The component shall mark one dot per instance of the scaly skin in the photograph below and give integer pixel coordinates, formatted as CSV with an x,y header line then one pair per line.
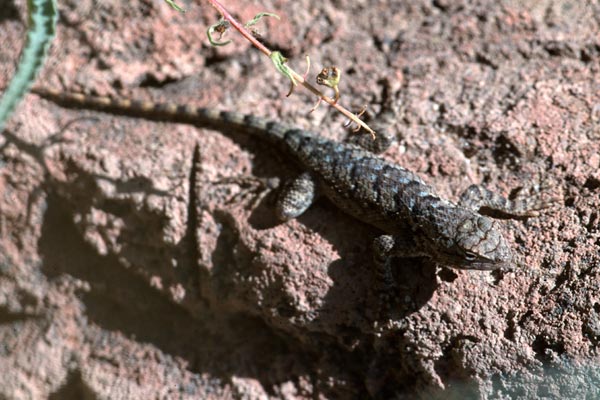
x,y
416,221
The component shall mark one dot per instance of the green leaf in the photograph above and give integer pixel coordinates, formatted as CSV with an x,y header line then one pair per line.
x,y
42,18
220,27
279,60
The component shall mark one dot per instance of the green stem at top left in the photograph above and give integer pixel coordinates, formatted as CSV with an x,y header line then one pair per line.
x,y
42,16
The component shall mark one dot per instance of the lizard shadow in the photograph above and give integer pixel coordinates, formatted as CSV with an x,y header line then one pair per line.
x,y
119,301
354,276
355,280
210,339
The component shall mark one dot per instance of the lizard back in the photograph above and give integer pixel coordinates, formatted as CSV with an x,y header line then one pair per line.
x,y
365,185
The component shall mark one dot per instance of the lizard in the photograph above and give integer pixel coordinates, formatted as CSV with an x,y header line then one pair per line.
x,y
414,219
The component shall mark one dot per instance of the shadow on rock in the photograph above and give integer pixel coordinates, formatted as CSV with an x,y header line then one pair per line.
x,y
220,343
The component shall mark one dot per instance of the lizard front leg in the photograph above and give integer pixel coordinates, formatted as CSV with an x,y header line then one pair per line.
x,y
296,197
386,247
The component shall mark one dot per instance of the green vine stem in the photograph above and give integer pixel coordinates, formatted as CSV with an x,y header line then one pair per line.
x,y
42,16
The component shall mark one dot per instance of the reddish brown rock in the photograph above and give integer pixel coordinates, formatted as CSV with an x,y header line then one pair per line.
x,y
132,266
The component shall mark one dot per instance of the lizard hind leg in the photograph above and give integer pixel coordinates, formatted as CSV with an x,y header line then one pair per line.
x,y
476,197
296,197
383,249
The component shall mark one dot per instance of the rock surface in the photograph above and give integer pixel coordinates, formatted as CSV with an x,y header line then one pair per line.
x,y
142,259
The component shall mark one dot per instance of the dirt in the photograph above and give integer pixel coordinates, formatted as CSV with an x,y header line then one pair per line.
x,y
142,259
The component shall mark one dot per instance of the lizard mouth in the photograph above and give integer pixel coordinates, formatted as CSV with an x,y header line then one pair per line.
x,y
488,266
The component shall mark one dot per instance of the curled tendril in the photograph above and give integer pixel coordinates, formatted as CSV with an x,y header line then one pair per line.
x,y
307,68
258,16
303,77
221,28
249,25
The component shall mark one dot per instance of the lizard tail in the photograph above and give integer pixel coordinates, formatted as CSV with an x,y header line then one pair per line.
x,y
156,111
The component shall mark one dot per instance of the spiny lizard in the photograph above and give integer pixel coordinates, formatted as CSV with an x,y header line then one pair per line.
x,y
416,221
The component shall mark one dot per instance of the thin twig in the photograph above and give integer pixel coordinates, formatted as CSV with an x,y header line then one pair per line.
x,y
299,78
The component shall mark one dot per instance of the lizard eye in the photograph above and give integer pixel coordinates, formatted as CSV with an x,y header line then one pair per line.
x,y
470,256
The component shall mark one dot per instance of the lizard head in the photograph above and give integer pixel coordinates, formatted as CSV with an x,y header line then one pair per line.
x,y
480,244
